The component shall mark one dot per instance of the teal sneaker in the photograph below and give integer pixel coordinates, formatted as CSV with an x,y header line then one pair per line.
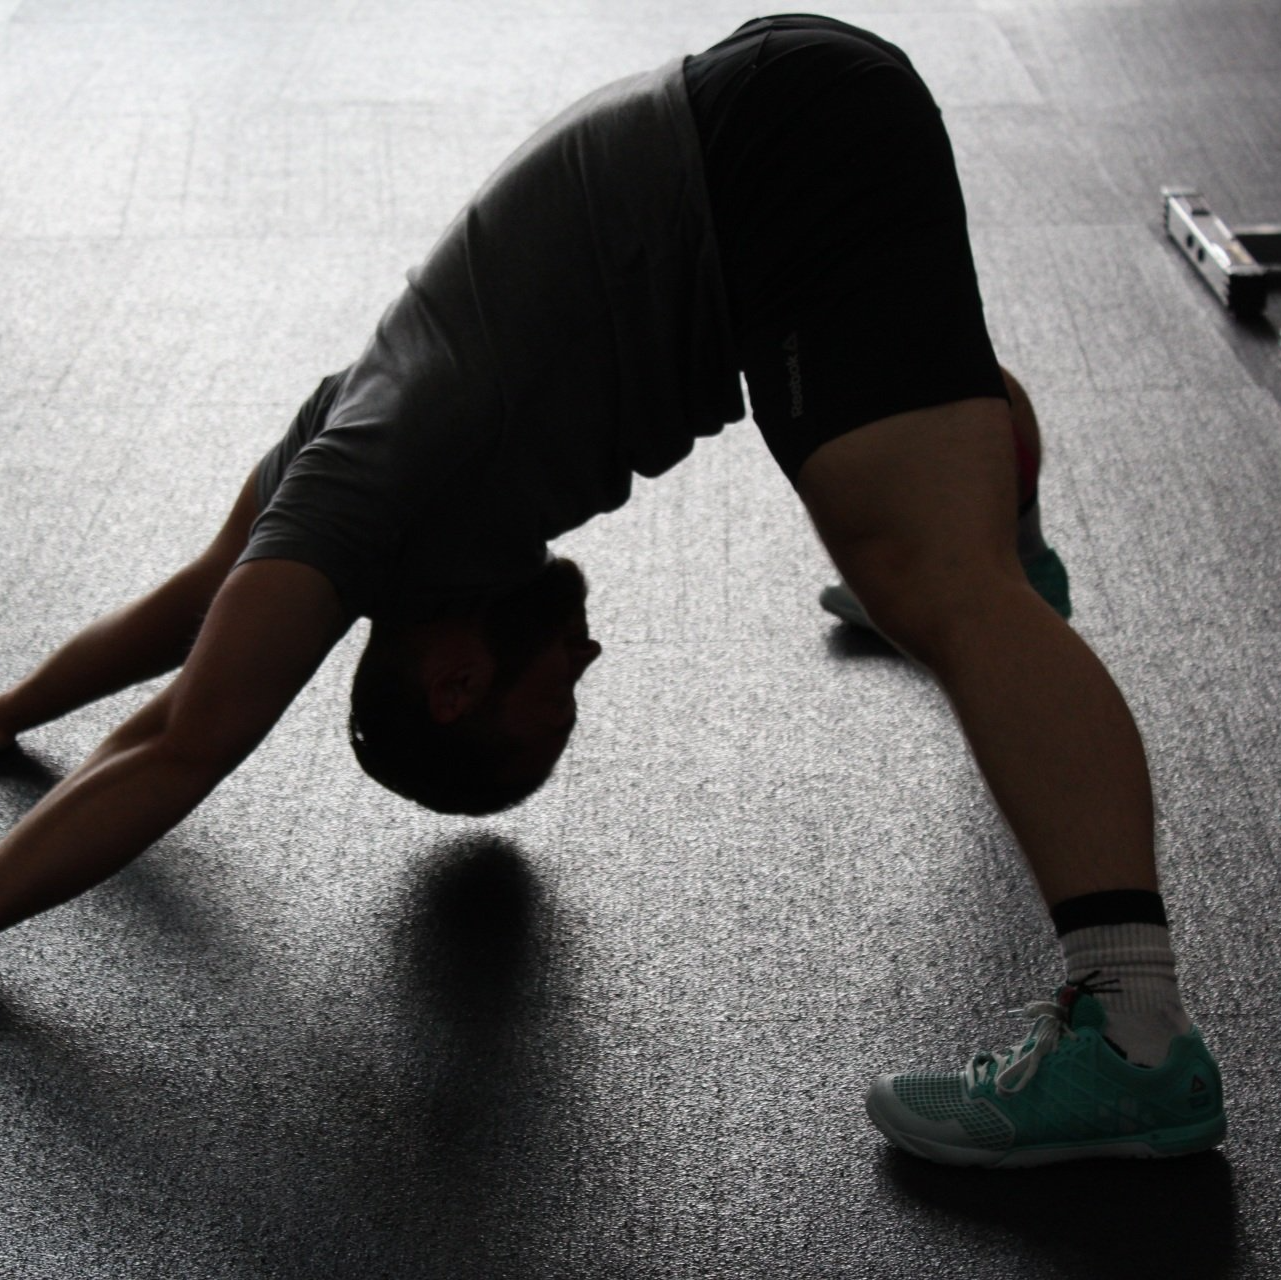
x,y
1046,573
841,602
1048,576
1064,1094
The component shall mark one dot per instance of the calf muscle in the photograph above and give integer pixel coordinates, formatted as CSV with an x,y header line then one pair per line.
x,y
919,515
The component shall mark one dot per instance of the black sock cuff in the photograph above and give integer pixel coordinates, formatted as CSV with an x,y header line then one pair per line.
x,y
1115,906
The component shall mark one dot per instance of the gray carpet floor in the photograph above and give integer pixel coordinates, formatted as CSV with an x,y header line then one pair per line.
x,y
625,1030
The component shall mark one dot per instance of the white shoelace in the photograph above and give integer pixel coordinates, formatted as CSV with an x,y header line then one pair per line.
x,y
1013,1070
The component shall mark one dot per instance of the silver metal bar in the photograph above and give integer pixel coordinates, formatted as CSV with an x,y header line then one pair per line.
x,y
1219,256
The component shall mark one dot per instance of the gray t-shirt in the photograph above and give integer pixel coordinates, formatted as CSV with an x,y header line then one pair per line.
x,y
569,329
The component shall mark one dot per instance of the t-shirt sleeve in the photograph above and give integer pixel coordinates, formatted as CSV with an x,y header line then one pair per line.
x,y
342,489
282,530
306,424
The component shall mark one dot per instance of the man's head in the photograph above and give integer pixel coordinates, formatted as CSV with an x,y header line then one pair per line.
x,y
470,713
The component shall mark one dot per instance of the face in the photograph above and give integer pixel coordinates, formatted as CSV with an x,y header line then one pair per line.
x,y
542,647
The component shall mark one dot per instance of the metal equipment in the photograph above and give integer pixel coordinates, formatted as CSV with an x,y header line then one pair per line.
x,y
1239,265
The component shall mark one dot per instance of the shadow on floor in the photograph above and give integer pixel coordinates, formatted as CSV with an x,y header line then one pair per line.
x,y
1255,339
845,642
445,1135
24,780
499,1069
1099,1219
471,930
473,1005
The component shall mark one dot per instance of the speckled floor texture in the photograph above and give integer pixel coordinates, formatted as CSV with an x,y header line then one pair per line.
x,y
623,1031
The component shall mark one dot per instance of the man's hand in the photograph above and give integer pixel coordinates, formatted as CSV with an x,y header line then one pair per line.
x,y
269,628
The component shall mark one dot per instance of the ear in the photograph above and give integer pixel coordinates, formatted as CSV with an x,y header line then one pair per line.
x,y
455,691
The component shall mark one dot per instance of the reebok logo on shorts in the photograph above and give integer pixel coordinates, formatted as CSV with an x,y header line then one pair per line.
x,y
792,345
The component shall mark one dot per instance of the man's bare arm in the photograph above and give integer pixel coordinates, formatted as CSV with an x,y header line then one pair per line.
x,y
269,628
146,638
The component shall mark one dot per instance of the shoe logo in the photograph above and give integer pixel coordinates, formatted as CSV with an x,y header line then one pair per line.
x,y
1200,1093
792,345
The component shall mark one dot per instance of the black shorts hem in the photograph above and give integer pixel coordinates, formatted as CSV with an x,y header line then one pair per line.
x,y
821,376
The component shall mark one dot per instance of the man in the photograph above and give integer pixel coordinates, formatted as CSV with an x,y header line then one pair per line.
x,y
785,204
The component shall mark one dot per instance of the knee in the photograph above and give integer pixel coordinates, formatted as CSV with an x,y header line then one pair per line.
x,y
933,604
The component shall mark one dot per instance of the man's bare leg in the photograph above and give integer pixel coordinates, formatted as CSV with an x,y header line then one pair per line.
x,y
840,600
917,512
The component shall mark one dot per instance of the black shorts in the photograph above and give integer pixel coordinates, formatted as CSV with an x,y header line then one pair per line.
x,y
842,231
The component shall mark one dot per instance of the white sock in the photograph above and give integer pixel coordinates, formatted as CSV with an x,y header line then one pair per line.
x,y
1134,966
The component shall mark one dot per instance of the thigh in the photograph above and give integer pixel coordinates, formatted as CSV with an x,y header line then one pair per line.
x,y
918,510
843,236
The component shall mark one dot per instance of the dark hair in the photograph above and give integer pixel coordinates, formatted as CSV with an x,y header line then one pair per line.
x,y
465,767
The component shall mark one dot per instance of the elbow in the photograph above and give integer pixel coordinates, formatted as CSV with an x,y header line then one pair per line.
x,y
203,751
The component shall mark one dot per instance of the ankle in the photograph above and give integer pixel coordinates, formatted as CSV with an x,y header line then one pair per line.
x,y
1117,947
